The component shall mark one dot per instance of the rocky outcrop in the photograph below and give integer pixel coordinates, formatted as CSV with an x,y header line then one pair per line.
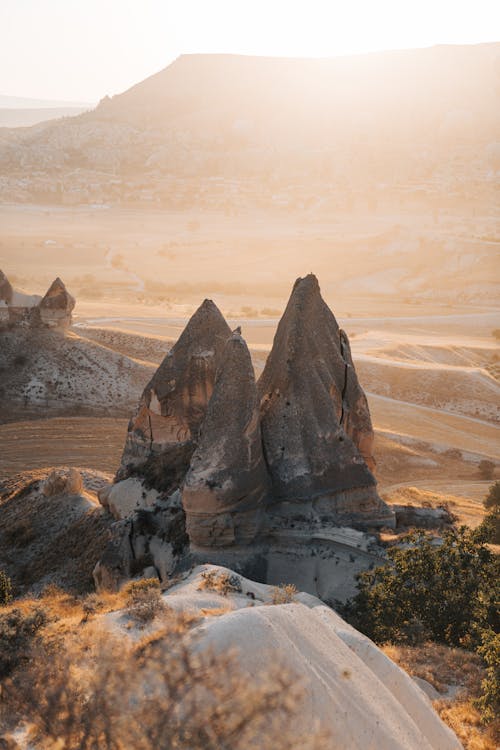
x,y
150,537
22,310
56,307
315,421
227,485
6,290
268,473
163,433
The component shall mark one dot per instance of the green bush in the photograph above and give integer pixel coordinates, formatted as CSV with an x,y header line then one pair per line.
x,y
489,702
446,592
5,588
492,499
489,529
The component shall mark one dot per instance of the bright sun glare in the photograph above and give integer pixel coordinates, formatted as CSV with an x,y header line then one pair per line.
x,y
84,50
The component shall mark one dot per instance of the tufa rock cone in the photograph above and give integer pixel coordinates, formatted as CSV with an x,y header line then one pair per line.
x,y
227,484
163,433
315,418
6,290
56,307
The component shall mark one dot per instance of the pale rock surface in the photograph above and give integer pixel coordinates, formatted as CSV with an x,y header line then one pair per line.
x,y
227,485
162,435
123,498
355,692
316,426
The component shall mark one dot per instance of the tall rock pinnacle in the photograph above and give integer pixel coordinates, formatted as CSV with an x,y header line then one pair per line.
x,y
227,484
163,433
315,419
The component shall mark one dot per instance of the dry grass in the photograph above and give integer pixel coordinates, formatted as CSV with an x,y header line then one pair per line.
x,y
93,689
221,582
284,594
462,671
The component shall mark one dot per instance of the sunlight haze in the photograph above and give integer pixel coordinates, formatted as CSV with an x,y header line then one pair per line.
x,y
82,51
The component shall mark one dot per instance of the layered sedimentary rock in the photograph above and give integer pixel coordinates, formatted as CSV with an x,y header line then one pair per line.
x,y
56,307
315,420
163,433
227,485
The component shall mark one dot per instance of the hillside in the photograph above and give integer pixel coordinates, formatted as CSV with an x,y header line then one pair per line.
x,y
430,115
43,369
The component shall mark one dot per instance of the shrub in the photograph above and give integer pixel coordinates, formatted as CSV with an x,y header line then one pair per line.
x,y
222,582
17,630
492,499
489,702
144,600
5,589
489,528
92,694
486,468
444,592
284,594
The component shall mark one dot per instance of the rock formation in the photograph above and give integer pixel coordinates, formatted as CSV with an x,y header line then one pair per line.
x,y
227,484
315,419
6,290
268,473
32,311
162,435
56,307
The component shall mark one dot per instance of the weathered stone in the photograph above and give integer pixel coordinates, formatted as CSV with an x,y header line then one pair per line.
x,y
56,307
124,498
422,517
227,484
315,419
163,433
115,565
6,290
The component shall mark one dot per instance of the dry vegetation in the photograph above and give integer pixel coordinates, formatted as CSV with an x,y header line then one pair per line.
x,y
457,674
71,684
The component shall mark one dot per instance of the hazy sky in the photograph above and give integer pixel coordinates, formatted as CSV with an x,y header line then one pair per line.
x,y
81,50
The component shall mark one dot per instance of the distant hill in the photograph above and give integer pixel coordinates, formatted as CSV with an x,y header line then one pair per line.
x,y
424,119
17,111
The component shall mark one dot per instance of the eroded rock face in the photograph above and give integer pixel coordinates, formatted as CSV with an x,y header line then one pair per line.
x,y
227,485
6,290
163,433
316,425
56,307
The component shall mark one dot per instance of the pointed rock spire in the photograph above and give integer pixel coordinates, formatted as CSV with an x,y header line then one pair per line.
x,y
6,290
163,433
315,416
227,484
57,305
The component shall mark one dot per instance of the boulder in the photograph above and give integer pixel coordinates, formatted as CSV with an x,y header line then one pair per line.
x,y
123,498
147,537
56,307
227,485
316,425
163,433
